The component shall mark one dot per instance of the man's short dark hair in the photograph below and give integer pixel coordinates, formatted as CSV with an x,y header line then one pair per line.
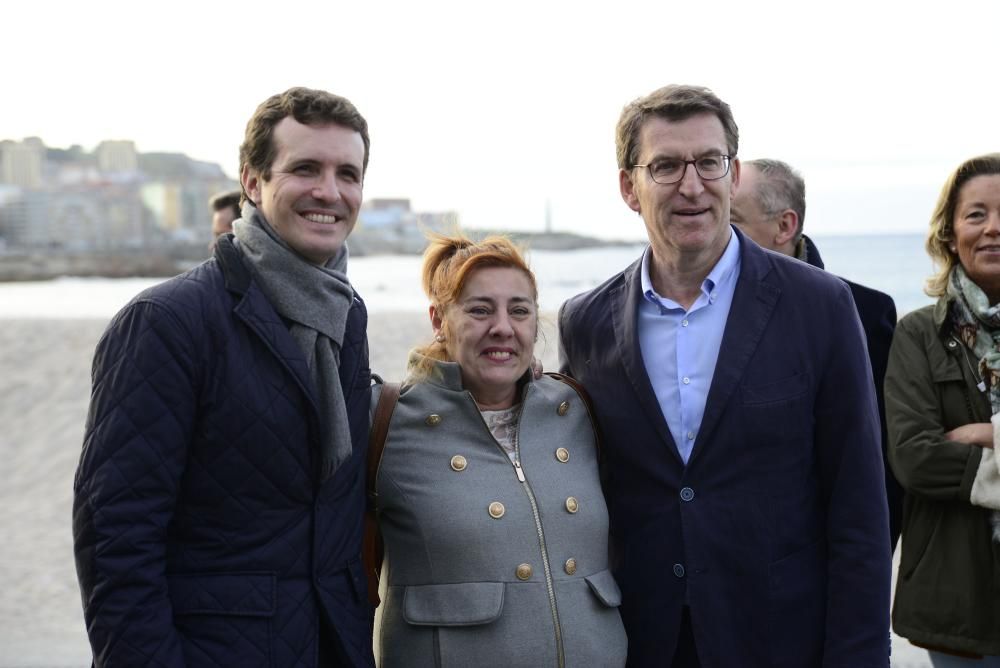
x,y
226,200
305,105
780,187
674,103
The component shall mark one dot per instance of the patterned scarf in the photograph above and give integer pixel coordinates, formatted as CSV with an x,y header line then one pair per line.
x,y
977,324
316,301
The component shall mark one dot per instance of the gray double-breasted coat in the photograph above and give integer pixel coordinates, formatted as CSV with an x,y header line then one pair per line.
x,y
491,562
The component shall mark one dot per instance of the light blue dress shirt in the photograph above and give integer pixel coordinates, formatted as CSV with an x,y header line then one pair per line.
x,y
680,348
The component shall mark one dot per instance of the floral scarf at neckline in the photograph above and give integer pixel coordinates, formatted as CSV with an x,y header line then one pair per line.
x,y
977,325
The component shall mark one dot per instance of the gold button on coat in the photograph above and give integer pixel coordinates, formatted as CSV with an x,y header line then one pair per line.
x,y
572,505
497,510
570,566
458,463
433,420
563,408
562,454
524,572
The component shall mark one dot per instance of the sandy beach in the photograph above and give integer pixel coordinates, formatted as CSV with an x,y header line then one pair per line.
x,y
44,392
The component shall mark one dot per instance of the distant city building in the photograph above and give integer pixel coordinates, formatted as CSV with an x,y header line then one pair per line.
x,y
113,198
117,158
21,162
389,225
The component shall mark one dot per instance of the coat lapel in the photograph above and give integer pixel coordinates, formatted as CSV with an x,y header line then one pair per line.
x,y
261,318
272,330
752,307
625,321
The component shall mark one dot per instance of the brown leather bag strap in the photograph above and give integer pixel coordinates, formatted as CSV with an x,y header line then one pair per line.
x,y
578,387
372,548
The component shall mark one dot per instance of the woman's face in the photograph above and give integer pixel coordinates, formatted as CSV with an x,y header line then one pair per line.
x,y
491,332
977,232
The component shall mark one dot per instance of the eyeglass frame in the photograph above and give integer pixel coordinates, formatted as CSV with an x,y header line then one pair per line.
x,y
728,159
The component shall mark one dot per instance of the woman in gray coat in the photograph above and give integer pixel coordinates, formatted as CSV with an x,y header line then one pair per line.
x,y
488,495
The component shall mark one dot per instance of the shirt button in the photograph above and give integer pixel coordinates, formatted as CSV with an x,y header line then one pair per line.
x,y
690,435
687,494
679,570
684,322
686,380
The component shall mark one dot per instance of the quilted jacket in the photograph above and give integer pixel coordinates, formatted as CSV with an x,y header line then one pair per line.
x,y
203,536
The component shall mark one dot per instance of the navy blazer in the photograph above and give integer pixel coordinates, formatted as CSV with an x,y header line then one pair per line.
x,y
203,533
774,533
877,312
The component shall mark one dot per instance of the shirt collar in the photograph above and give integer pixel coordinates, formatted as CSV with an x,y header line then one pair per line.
x,y
721,273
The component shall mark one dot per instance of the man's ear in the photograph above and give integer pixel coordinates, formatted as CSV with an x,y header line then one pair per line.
x,y
251,184
788,227
627,187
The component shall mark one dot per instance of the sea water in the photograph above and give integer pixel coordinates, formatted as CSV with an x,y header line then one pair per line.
x,y
894,264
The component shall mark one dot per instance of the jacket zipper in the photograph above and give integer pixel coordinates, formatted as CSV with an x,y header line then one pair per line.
x,y
550,587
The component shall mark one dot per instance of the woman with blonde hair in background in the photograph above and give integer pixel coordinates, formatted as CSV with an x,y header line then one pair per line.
x,y
487,492
942,394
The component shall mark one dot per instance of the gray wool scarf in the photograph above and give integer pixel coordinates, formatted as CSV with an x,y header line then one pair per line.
x,y
316,301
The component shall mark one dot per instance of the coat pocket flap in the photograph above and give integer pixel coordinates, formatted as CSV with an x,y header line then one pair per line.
x,y
459,604
237,594
603,584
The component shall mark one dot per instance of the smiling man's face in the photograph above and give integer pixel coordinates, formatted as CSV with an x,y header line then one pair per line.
x,y
313,195
690,218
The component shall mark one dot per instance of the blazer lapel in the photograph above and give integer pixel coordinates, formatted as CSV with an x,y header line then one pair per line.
x,y
625,321
753,304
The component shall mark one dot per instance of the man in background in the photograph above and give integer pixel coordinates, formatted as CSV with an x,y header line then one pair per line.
x,y
770,208
219,501
740,452
225,209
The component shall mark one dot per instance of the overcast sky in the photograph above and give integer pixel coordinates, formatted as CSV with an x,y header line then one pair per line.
x,y
495,109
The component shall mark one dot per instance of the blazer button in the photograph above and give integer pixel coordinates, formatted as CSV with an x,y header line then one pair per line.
x,y
563,408
687,494
562,454
458,463
524,572
572,505
497,510
679,570
433,420
570,566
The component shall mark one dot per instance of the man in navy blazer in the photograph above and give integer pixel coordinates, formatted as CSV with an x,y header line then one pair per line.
x,y
740,430
770,208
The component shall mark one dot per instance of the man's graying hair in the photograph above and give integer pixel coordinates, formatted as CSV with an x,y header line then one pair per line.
x,y
780,187
674,103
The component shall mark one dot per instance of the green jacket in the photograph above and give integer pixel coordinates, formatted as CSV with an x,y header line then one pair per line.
x,y
948,589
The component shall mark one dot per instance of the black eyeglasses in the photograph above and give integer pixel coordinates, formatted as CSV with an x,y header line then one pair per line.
x,y
671,170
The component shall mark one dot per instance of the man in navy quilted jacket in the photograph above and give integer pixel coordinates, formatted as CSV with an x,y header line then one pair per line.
x,y
218,505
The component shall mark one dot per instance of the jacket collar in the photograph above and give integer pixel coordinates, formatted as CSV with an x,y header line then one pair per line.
x,y
753,303
940,315
235,273
448,375
806,251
